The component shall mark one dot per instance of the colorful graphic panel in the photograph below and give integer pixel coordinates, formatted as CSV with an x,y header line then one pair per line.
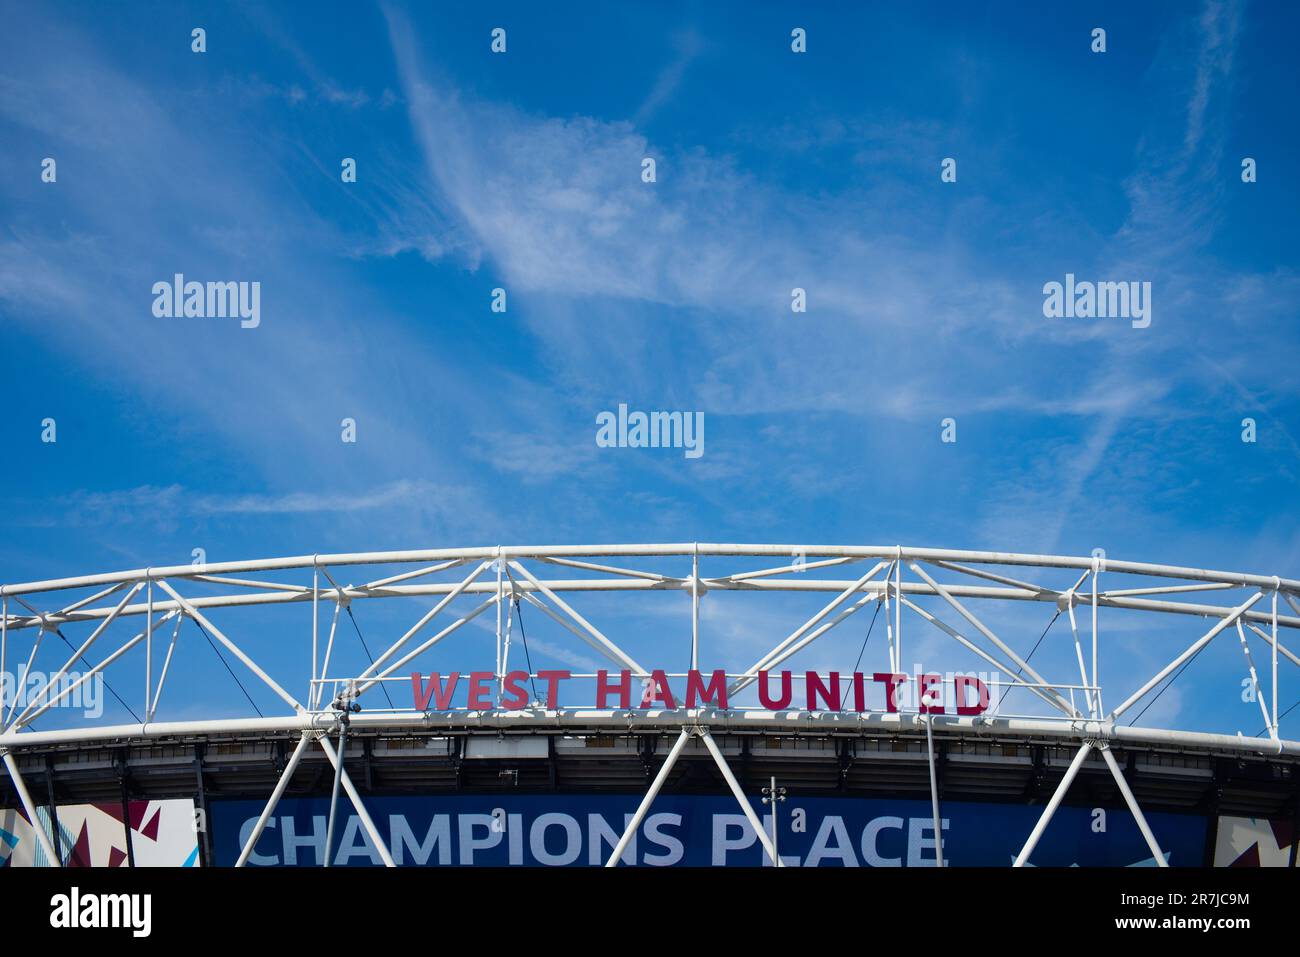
x,y
94,835
1255,842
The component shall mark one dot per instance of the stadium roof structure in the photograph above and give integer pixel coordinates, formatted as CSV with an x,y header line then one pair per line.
x,y
904,583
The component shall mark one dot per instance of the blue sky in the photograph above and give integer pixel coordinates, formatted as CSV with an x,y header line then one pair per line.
x,y
775,170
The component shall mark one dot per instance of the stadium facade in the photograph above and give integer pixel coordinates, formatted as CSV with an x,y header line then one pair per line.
x,y
490,761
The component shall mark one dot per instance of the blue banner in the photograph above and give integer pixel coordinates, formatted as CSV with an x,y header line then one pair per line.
x,y
582,829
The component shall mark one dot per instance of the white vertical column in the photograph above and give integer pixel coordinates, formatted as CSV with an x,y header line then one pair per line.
x,y
4,644
898,608
148,645
1277,586
1096,570
500,567
695,609
312,693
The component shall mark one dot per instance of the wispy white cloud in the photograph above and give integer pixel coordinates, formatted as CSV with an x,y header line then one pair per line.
x,y
153,503
687,47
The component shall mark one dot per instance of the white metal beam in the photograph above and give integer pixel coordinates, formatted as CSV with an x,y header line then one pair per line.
x,y
614,650
370,682
795,585
29,716
1052,805
888,552
664,770
30,807
1191,649
425,619
267,811
357,803
234,649
751,673
741,799
85,646
1131,801
1014,680
1024,665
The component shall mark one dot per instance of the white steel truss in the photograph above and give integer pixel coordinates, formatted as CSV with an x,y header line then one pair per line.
x,y
1072,711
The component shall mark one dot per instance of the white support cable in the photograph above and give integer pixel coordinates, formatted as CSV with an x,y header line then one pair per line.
x,y
1290,601
245,583
1166,589
889,624
89,600
26,670
500,565
504,666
